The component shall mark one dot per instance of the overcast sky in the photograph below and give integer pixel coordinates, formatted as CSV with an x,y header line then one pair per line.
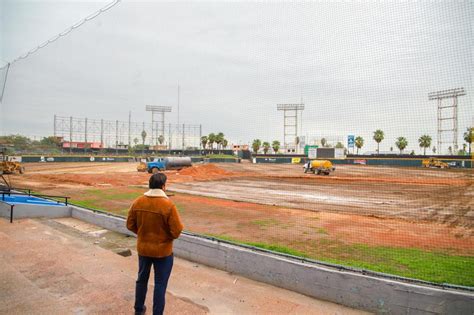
x,y
357,66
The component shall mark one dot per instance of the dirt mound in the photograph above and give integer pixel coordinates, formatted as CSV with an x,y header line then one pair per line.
x,y
205,171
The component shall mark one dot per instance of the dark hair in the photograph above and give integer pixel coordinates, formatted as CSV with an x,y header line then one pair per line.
x,y
157,180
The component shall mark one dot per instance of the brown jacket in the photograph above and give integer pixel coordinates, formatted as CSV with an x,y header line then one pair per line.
x,y
155,220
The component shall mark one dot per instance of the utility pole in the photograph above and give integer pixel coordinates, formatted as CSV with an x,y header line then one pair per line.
x,y
447,123
290,122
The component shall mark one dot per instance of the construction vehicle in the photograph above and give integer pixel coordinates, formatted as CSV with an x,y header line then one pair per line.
x,y
9,167
434,163
163,164
319,167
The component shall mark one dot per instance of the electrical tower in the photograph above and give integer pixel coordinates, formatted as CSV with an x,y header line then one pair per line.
x,y
290,122
447,116
158,126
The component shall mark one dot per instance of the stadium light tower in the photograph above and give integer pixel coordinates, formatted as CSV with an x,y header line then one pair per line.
x,y
447,116
290,121
157,126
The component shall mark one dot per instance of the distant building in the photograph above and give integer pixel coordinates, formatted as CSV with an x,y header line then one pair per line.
x,y
158,147
240,147
81,145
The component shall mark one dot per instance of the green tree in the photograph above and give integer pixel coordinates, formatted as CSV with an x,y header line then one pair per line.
x,y
225,143
425,142
469,137
378,137
18,142
143,141
256,145
323,142
434,149
276,146
219,140
204,141
401,144
339,145
51,142
211,139
161,139
266,147
359,143
135,141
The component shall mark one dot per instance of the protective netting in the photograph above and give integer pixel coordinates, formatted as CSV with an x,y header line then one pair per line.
x,y
387,94
3,79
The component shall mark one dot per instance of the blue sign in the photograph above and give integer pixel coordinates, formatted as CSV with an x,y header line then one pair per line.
x,y
350,141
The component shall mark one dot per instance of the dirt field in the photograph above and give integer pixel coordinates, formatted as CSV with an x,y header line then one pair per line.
x,y
391,210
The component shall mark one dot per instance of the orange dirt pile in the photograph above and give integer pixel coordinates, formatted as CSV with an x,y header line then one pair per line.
x,y
205,172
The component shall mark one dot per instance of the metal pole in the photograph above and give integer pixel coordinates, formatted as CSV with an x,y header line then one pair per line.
x,y
143,140
55,125
70,134
129,128
455,123
4,83
183,139
85,135
116,137
178,102
162,127
169,139
11,213
102,133
200,136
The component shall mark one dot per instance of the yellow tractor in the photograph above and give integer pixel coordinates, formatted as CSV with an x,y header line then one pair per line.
x,y
9,167
434,163
319,167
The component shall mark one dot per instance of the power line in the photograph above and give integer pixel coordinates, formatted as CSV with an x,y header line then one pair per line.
x,y
63,33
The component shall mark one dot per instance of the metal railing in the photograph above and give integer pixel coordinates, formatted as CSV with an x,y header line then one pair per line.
x,y
27,192
11,209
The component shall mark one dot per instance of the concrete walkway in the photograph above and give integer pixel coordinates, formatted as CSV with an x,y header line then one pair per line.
x,y
66,266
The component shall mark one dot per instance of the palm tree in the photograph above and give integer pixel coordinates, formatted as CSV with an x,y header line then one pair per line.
x,y
143,141
359,143
469,137
378,137
266,147
401,144
256,145
323,142
161,139
225,143
211,138
204,142
425,142
276,146
219,140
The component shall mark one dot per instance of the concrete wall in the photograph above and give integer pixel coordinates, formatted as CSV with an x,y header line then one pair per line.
x,y
34,211
353,289
350,288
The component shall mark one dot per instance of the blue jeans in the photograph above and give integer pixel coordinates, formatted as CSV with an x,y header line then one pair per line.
x,y
162,269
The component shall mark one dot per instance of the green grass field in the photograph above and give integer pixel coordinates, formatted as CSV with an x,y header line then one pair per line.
x,y
433,266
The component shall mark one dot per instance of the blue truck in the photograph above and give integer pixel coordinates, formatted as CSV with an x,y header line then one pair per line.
x,y
164,164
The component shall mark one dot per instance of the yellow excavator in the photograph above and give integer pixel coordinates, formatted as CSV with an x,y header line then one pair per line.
x,y
434,163
9,167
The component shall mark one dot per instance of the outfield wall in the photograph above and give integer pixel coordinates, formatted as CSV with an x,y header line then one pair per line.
x,y
407,162
95,159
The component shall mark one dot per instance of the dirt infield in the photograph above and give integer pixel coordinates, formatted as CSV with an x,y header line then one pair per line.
x,y
412,222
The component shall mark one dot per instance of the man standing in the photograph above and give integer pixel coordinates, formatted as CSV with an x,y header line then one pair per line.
x,y
155,220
